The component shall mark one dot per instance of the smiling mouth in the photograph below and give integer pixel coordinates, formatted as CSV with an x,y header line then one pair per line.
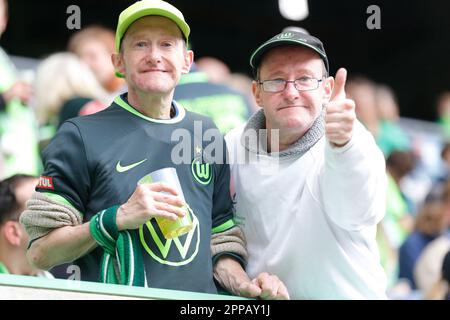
x,y
290,107
152,70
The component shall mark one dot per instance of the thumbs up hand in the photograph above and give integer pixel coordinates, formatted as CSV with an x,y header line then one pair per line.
x,y
340,113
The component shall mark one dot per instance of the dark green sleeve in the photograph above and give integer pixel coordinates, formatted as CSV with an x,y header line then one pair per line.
x,y
223,209
66,167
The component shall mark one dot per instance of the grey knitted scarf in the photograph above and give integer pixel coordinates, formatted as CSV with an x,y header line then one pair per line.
x,y
258,121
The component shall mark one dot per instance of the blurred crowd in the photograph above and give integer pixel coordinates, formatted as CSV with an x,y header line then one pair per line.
x,y
413,237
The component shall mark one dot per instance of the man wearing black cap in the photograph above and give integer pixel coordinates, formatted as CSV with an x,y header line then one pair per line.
x,y
311,191
97,200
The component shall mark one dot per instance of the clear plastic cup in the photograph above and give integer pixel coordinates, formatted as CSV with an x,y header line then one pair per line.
x,y
171,228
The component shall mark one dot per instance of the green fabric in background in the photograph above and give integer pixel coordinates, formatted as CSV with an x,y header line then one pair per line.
x,y
391,137
3,269
18,129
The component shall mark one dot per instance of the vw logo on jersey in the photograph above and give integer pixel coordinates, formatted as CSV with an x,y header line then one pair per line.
x,y
202,172
173,252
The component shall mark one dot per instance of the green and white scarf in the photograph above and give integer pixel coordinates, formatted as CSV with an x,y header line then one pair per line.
x,y
122,261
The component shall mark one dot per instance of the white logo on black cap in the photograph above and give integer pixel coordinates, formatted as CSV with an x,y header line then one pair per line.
x,y
289,35
285,35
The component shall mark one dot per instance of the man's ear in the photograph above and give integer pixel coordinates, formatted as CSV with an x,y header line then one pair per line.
x,y
117,61
188,59
328,85
12,233
256,89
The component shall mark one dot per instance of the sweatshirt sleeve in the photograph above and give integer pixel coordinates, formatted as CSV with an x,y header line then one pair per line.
x,y
353,181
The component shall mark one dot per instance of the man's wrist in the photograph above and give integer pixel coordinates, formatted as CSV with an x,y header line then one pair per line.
x,y
119,220
230,274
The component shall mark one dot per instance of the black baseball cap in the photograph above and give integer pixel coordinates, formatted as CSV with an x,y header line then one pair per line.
x,y
289,38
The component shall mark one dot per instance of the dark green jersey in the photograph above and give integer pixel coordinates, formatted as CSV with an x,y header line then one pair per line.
x,y
96,161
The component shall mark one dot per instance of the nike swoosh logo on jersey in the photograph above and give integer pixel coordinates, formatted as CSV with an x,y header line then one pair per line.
x,y
119,167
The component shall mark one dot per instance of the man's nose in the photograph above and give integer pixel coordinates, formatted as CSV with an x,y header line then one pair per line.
x,y
291,91
153,54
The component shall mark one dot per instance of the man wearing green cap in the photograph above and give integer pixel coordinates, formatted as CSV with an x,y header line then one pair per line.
x,y
316,228
94,200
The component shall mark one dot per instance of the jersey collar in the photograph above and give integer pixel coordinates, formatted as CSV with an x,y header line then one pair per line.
x,y
179,111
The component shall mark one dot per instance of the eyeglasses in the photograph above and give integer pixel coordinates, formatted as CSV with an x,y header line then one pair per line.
x,y
301,84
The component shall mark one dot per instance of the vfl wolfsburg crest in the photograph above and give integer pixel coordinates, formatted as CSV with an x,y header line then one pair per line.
x,y
285,35
177,251
202,172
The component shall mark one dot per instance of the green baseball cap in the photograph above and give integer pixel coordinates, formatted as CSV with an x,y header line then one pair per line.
x,y
149,8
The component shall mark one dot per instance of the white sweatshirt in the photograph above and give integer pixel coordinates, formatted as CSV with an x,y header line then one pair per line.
x,y
312,221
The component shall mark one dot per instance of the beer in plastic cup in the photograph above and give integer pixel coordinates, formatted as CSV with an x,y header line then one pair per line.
x,y
171,228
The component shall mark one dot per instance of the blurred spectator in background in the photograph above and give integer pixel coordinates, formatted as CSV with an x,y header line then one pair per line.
x,y
216,70
243,83
430,223
438,184
18,130
441,289
390,135
397,222
398,165
443,113
362,91
427,271
377,109
65,88
445,156
94,45
227,107
14,192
